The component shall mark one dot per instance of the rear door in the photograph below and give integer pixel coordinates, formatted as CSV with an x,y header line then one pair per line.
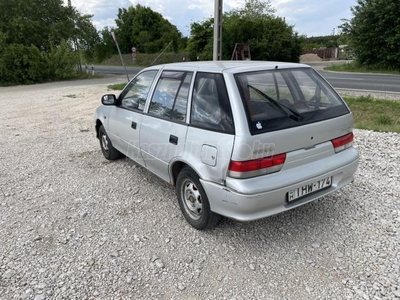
x,y
164,127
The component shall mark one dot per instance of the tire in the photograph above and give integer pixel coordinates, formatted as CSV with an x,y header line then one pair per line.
x,y
106,146
193,201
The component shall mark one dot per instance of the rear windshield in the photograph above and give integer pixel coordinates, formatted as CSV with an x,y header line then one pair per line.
x,y
279,99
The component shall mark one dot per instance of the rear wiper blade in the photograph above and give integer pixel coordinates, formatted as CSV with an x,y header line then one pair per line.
x,y
294,115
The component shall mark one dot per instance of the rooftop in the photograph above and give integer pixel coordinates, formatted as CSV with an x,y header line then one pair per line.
x,y
233,65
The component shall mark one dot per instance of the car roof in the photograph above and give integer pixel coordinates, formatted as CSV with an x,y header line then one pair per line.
x,y
230,66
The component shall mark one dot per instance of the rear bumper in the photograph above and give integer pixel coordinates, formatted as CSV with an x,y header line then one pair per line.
x,y
247,206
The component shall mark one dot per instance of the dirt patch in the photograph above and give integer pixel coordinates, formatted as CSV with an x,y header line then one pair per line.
x,y
309,57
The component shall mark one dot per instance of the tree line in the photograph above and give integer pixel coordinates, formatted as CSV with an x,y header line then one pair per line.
x,y
269,37
43,40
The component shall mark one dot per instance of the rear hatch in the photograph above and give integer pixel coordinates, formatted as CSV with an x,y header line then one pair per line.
x,y
294,118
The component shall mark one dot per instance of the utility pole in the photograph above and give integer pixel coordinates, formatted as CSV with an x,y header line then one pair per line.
x,y
217,48
119,52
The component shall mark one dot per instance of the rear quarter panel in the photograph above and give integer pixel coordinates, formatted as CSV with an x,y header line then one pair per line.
x,y
199,153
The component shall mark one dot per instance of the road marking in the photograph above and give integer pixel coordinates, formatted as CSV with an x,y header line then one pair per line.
x,y
368,91
344,78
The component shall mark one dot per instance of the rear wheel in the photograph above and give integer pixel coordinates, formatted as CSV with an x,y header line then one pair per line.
x,y
106,146
193,201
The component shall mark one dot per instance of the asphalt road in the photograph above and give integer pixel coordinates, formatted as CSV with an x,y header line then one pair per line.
x,y
384,83
117,70
365,82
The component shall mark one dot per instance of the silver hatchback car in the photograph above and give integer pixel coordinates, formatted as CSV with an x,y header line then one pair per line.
x,y
240,139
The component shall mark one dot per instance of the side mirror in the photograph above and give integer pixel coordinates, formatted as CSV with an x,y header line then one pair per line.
x,y
109,99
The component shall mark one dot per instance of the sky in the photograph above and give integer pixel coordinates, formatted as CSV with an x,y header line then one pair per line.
x,y
309,17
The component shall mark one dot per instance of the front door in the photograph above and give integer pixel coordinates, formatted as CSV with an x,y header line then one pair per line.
x,y
125,119
163,131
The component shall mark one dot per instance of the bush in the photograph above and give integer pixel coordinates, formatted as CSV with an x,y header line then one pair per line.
x,y
62,62
22,65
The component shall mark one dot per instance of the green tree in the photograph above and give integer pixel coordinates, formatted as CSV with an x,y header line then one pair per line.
x,y
106,47
343,39
255,9
36,22
36,37
374,31
269,37
124,28
86,35
145,29
200,43
328,41
318,42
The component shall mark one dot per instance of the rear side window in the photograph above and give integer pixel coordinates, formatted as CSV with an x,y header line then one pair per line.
x,y
279,99
211,108
169,100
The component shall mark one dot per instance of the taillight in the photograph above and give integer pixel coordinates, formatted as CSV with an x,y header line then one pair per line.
x,y
256,167
343,142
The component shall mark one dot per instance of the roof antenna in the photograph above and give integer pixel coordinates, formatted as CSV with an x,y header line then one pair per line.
x,y
276,67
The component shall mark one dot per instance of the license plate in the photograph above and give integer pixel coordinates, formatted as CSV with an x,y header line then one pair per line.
x,y
309,188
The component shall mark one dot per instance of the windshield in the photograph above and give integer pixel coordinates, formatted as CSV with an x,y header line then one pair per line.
x,y
279,99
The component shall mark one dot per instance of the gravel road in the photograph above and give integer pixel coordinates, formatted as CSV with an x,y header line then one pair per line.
x,y
75,226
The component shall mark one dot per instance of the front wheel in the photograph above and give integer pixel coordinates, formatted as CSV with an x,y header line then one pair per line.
x,y
106,146
193,201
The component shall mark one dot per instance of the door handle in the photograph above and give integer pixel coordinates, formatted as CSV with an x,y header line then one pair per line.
x,y
173,139
133,125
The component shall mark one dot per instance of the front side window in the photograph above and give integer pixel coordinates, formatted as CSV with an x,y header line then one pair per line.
x,y
169,100
279,99
134,96
211,108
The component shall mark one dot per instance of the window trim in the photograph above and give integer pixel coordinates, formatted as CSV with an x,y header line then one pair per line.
x,y
211,129
168,120
119,98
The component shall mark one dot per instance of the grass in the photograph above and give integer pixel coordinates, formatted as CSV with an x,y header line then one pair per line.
x,y
376,115
117,87
357,68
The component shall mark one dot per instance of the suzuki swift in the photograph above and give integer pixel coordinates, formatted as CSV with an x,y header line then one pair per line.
x,y
240,139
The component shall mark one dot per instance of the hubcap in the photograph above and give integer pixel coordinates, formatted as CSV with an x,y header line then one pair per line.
x,y
104,142
192,199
